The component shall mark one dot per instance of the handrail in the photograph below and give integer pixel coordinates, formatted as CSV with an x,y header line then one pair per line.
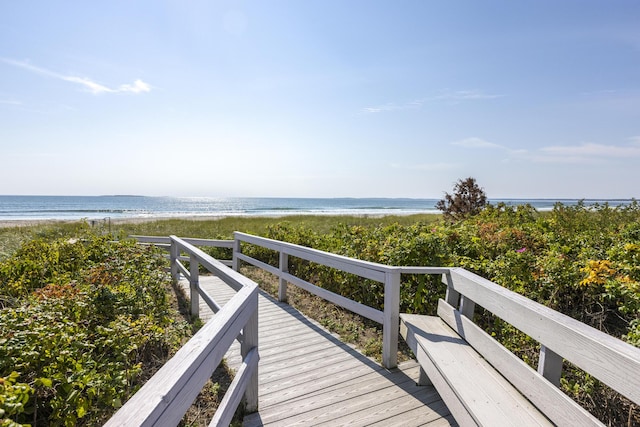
x,y
192,240
165,397
609,359
165,242
388,275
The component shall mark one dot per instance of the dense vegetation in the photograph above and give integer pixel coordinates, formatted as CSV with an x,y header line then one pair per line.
x,y
83,322
581,260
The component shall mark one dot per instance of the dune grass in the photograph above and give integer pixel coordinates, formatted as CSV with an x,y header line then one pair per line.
x,y
14,234
223,228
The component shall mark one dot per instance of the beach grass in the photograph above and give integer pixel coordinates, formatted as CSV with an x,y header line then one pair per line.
x,y
223,228
14,233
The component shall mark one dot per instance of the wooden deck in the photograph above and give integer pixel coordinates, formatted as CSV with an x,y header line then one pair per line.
x,y
307,376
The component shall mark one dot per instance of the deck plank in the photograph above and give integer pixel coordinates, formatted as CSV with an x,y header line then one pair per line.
x,y
308,376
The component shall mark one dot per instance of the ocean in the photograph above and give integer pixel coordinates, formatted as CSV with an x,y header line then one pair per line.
x,y
120,207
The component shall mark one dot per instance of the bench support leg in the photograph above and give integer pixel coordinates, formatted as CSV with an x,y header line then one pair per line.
x,y
424,379
550,365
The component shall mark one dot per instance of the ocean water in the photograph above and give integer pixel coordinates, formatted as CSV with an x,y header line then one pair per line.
x,y
102,207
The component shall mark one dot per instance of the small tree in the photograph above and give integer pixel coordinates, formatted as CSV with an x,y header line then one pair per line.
x,y
468,199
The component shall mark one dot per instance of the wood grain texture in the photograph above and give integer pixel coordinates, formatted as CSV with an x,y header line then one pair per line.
x,y
304,360
609,359
308,376
473,390
369,270
168,394
556,405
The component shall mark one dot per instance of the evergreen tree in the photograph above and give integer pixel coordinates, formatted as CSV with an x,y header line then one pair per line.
x,y
468,199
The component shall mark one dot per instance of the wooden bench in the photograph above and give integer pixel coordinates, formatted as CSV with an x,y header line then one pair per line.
x,y
483,383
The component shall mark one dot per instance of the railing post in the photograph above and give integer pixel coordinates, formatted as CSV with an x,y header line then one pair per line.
x,y
467,307
282,285
194,285
452,297
174,252
550,365
391,318
249,341
237,249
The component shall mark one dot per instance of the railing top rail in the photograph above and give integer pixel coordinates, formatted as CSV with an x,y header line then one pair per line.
x,y
366,269
610,359
192,240
304,251
231,277
299,250
167,395
424,270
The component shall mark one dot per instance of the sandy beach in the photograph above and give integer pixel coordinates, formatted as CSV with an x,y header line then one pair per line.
x,y
132,220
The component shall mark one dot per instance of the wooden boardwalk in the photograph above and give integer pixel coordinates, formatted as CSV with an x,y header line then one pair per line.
x,y
307,376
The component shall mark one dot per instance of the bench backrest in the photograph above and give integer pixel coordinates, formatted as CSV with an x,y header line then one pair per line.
x,y
609,359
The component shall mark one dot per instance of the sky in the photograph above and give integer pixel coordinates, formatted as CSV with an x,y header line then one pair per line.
x,y
326,98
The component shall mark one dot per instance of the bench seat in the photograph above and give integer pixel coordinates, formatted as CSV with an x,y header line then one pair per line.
x,y
475,393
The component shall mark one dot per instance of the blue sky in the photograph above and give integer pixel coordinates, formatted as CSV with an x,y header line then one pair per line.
x,y
323,98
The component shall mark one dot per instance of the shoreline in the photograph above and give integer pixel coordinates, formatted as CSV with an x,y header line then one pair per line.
x,y
16,223
11,223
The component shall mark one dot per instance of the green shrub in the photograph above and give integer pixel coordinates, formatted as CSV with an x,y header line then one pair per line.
x,y
581,260
88,317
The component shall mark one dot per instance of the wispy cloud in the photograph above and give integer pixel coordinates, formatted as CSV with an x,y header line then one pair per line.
x,y
9,102
89,85
585,153
474,142
438,166
588,152
595,150
394,107
465,95
447,95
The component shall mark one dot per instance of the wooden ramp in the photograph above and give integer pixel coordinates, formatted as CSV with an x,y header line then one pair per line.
x,y
307,376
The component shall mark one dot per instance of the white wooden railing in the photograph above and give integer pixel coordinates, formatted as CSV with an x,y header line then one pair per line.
x,y
389,275
607,358
165,398
562,338
612,361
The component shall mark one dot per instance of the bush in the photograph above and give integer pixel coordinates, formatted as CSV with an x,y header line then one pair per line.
x,y
468,199
87,320
579,260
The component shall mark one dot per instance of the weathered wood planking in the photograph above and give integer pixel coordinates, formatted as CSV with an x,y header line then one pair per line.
x,y
555,404
366,269
611,360
308,376
473,390
223,294
168,394
389,275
